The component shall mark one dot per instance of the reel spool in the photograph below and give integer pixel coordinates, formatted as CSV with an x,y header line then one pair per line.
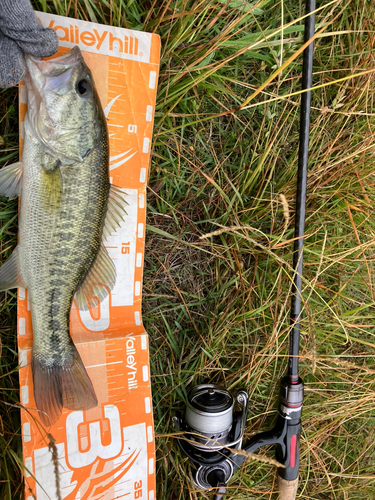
x,y
209,416
213,428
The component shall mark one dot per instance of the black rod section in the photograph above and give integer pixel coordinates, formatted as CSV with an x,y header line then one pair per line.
x,y
299,229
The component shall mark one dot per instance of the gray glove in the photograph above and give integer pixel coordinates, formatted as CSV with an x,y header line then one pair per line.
x,y
21,32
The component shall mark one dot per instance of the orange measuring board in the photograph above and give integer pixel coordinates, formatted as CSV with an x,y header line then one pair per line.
x,y
106,452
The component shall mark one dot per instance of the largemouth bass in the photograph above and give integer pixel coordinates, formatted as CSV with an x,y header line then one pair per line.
x,y
68,208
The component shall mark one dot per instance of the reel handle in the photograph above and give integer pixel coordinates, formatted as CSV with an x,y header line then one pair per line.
x,y
216,478
287,489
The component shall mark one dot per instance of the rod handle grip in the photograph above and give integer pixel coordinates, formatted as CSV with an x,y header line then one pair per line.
x,y
287,489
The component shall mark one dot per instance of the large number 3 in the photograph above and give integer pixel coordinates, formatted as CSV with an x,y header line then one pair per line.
x,y
77,458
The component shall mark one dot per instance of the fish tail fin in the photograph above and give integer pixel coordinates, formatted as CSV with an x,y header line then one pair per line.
x,y
67,386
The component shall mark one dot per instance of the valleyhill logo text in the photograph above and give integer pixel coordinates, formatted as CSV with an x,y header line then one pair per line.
x,y
126,44
131,364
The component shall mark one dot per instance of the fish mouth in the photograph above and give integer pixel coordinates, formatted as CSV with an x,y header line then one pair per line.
x,y
52,74
53,67
45,78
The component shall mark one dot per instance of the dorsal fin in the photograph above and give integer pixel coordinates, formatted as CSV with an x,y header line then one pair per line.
x,y
115,211
100,278
102,275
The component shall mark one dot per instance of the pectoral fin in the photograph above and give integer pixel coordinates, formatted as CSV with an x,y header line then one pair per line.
x,y
100,278
51,188
10,180
9,273
115,211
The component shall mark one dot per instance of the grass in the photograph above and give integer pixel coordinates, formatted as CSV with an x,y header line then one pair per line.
x,y
216,307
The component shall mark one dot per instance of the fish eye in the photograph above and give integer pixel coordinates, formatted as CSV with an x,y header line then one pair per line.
x,y
83,87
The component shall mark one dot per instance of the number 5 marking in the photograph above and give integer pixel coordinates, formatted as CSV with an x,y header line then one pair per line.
x,y
100,324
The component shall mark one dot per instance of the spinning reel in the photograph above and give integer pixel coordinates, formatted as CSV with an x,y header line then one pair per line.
x,y
213,430
213,424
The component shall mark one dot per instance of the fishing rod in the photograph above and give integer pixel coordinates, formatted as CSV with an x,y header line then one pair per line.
x,y
214,421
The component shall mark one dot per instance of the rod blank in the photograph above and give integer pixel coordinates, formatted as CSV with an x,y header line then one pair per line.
x,y
299,229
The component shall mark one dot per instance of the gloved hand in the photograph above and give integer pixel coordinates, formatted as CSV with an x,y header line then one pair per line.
x,y
21,32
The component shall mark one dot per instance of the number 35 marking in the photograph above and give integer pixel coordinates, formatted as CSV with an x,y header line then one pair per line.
x,y
138,489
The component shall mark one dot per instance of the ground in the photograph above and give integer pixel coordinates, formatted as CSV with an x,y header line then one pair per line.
x,y
216,306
